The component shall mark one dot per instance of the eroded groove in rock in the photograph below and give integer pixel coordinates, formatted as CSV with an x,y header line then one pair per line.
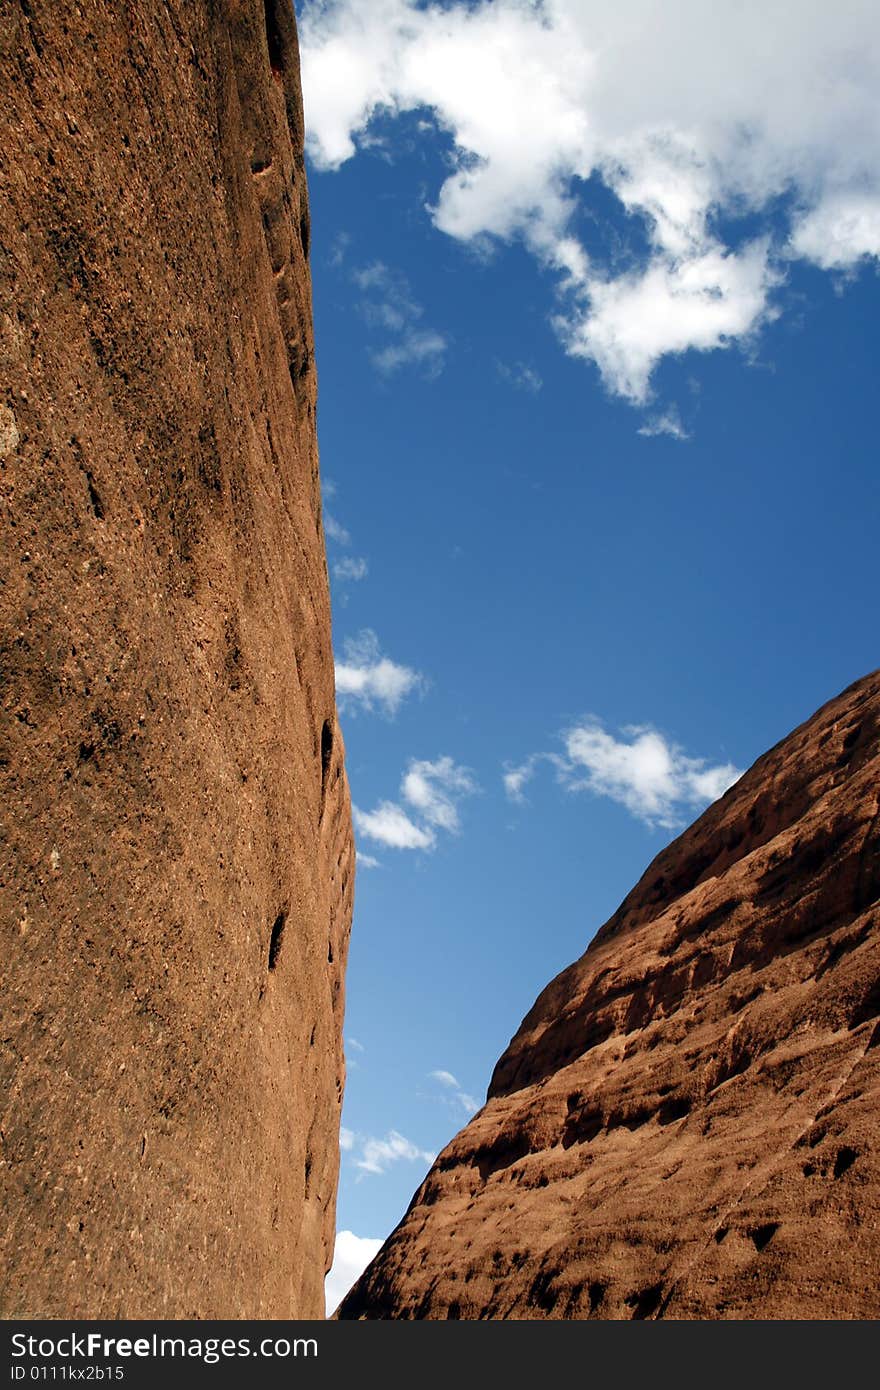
x,y
686,1123
176,868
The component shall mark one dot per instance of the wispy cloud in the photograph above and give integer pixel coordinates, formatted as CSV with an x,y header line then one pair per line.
x,y
641,769
350,567
726,128
422,348
516,777
432,792
520,375
366,679
444,1077
375,1156
339,249
368,861
351,1255
346,1139
453,1091
388,307
335,531
346,569
667,422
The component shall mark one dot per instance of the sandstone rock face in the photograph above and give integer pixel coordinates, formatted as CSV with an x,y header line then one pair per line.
x,y
176,867
687,1124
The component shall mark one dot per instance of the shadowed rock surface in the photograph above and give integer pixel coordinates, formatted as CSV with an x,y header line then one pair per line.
x,y
176,864
686,1124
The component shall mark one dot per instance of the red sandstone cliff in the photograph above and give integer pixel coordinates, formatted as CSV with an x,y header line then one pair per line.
x,y
176,864
687,1124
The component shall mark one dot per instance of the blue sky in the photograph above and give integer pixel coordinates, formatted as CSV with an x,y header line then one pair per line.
x,y
596,349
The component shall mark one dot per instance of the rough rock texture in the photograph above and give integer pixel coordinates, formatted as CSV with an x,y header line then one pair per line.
x,y
687,1123
176,866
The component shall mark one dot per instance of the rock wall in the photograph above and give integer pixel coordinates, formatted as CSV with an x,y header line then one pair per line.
x,y
176,864
687,1124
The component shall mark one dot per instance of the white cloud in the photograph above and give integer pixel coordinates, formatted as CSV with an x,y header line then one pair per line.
x,y
365,678
445,1078
372,1156
704,300
515,778
417,347
334,530
667,422
390,309
368,861
469,1105
389,825
692,116
432,791
377,1155
350,568
642,770
351,1255
840,232
353,1043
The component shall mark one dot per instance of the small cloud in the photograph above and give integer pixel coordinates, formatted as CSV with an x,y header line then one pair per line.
x,y
389,308
389,825
667,423
515,778
458,1097
346,1139
378,277
520,375
432,791
434,788
355,1045
335,531
414,349
377,1155
642,770
338,249
701,301
652,777
445,1078
840,232
367,861
350,568
328,490
351,1256
365,678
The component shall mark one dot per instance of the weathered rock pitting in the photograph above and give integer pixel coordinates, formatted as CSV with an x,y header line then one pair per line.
x,y
686,1124
176,864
